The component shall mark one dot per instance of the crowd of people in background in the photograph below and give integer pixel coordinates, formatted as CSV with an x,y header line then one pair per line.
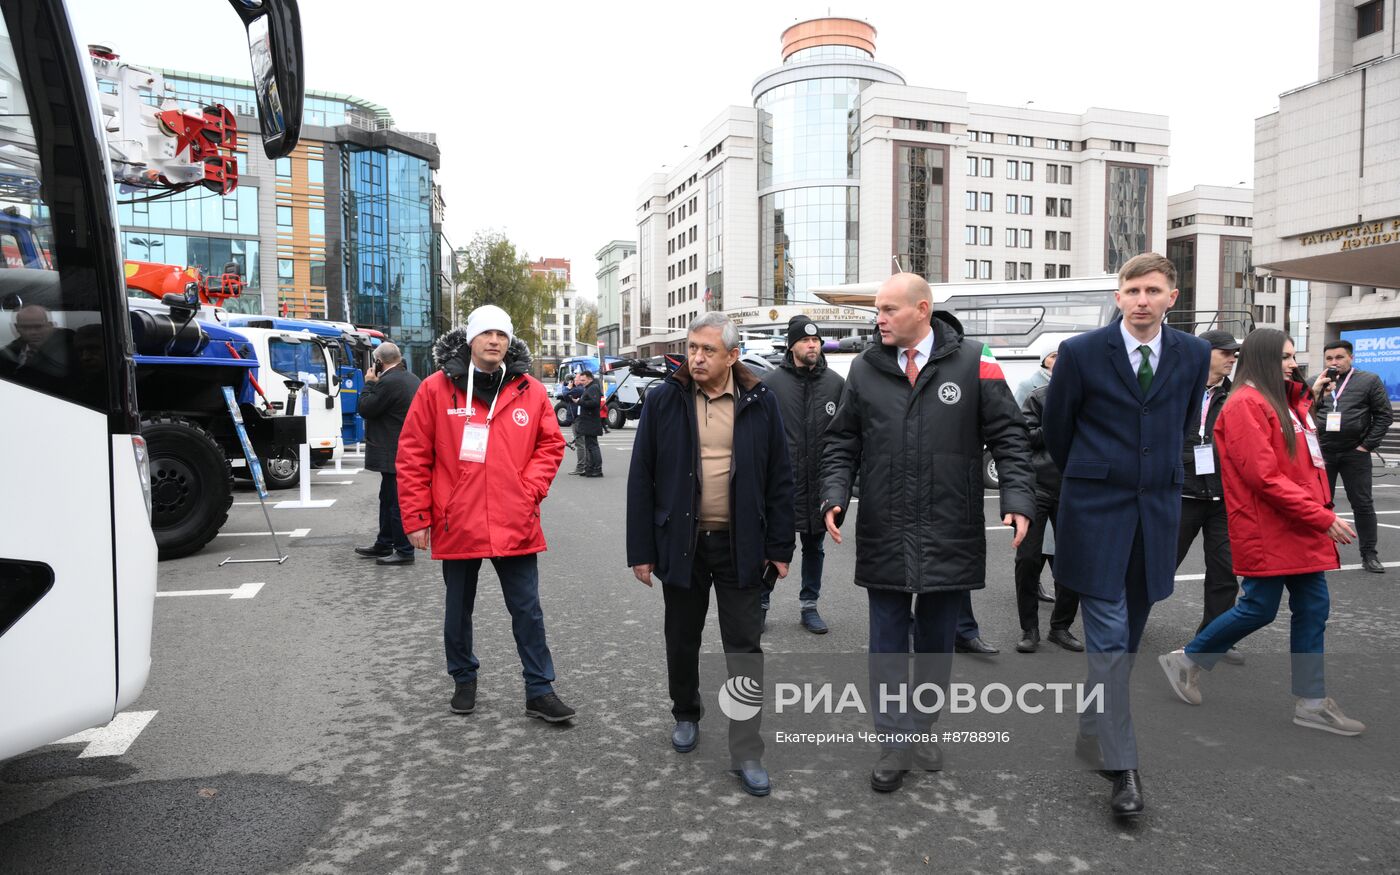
x,y
1135,429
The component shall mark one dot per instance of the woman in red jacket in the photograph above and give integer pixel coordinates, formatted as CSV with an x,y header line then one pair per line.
x,y
1283,532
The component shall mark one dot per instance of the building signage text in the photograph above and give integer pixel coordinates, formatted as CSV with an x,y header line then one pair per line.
x,y
1358,236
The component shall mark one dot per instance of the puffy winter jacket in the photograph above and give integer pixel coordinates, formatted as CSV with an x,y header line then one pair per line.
x,y
478,510
1279,508
1366,413
1047,474
808,398
919,453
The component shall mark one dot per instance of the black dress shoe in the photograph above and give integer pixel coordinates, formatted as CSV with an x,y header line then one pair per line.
x,y
373,552
928,757
1065,639
685,736
889,771
974,645
1373,565
753,777
1126,800
1087,751
1030,641
395,559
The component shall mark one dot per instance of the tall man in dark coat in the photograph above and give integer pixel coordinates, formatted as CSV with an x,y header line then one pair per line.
x,y
916,412
1202,493
589,425
709,504
1353,414
1119,402
384,401
808,392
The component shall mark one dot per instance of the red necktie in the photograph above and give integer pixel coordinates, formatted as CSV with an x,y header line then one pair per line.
x,y
911,370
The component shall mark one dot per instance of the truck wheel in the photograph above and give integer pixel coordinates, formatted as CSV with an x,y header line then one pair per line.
x,y
562,414
282,471
989,472
617,418
191,484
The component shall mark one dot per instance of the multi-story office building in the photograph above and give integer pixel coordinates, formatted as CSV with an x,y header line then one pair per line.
x,y
1327,182
347,227
629,304
841,171
608,274
558,325
1209,231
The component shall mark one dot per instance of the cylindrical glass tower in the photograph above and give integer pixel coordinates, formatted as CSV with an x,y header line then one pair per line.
x,y
809,160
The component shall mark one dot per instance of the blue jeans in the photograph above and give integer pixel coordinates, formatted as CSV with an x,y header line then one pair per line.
x,y
520,584
1309,603
813,556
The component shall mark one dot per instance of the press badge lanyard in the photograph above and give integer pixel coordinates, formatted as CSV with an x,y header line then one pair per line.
x,y
1203,454
1314,448
1334,419
474,436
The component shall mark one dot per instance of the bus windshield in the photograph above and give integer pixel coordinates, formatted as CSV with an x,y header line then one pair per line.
x,y
1016,320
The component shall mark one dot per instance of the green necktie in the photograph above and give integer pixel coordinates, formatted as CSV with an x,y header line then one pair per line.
x,y
1145,369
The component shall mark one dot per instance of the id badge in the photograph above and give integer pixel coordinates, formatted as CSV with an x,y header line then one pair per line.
x,y
1205,459
474,439
1314,448
1334,422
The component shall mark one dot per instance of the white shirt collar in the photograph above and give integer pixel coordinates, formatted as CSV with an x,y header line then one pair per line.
x,y
922,350
1132,343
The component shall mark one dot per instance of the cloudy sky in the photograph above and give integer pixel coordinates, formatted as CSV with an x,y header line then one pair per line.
x,y
549,115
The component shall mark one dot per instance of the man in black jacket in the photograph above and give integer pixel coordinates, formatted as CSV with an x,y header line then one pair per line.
x,y
808,392
384,401
1352,413
916,412
589,425
1030,556
1202,495
570,397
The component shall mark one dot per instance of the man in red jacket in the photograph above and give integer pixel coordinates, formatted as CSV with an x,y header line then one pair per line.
x,y
477,454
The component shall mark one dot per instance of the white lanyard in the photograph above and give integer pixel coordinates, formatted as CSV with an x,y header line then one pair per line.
x,y
471,398
1338,390
1205,411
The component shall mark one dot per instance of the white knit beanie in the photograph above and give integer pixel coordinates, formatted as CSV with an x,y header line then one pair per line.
x,y
489,317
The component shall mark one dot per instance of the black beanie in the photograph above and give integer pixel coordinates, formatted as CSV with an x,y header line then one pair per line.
x,y
800,327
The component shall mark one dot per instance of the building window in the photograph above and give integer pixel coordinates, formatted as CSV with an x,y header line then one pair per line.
x,y
1011,238
284,217
1064,208
984,269
1299,296
315,171
1236,275
1013,169
984,201
1064,271
284,168
987,167
970,269
1064,241
984,236
1027,205
971,201
1026,238
1066,174
1025,270
1010,271
1027,172
1050,207
1370,18
972,165
984,137
1011,203
1128,213
1182,254
970,235
1052,240
1049,271
1052,173
285,267
231,209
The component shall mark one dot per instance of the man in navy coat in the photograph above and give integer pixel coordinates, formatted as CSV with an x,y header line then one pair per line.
x,y
1113,422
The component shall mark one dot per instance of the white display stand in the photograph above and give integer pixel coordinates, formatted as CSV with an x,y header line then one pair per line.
x,y
304,501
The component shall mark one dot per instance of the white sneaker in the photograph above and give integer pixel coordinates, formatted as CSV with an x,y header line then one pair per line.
x,y
1183,674
1328,718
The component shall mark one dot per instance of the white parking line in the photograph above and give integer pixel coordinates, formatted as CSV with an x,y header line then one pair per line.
x,y
341,473
246,591
294,533
113,739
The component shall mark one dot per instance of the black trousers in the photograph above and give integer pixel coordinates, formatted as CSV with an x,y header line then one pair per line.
x,y
1355,468
391,532
1221,587
592,456
579,450
1030,561
740,628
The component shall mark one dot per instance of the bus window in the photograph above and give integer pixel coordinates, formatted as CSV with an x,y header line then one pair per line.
x,y
299,360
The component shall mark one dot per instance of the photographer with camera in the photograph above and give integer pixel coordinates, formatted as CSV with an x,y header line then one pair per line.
x,y
1353,413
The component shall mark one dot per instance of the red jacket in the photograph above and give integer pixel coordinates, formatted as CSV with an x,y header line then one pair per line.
x,y
1279,507
478,510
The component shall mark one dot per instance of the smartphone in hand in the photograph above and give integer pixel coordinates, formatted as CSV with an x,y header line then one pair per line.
x,y
770,574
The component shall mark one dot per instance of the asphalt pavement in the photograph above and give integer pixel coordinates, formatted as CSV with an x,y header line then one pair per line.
x,y
302,725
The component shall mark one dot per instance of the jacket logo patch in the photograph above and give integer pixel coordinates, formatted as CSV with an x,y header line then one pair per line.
x,y
521,418
831,408
461,411
950,393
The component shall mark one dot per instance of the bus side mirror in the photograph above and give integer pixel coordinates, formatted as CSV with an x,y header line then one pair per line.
x,y
274,47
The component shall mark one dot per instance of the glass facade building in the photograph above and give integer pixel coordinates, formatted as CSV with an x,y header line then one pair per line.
x,y
920,202
1182,254
1236,275
1129,213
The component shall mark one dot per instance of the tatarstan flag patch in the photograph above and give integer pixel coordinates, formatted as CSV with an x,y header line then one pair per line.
x,y
987,367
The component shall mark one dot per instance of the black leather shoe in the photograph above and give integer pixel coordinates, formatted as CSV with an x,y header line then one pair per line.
x,y
395,559
373,552
974,645
464,699
594,474
1373,565
889,771
576,473
1087,751
813,622
928,757
685,736
1126,800
1065,638
1030,641
753,777
549,708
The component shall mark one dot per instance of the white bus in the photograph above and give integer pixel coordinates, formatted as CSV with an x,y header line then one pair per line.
x,y
77,556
